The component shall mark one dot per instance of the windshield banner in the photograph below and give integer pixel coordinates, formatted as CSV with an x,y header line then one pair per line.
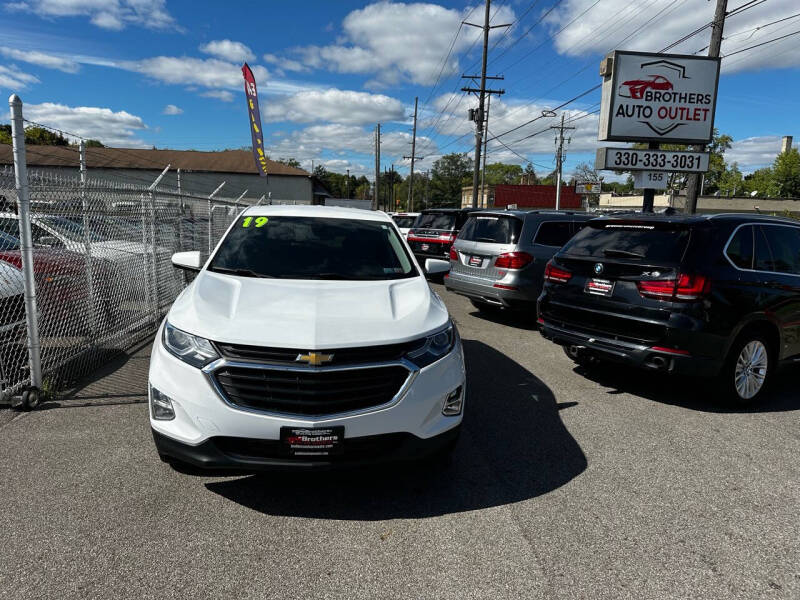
x,y
255,120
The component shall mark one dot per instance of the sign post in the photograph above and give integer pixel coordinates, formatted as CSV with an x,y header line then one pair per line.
x,y
656,99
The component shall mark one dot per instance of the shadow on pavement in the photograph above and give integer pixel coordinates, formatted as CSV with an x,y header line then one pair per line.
x,y
690,392
517,319
513,447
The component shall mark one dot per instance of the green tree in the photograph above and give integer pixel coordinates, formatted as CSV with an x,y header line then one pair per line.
x,y
35,136
731,181
289,162
529,176
759,181
449,174
785,181
501,173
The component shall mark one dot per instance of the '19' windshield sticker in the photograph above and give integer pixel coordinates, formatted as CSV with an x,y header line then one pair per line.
x,y
260,221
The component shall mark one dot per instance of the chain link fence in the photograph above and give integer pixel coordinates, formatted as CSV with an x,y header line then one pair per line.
x,y
103,277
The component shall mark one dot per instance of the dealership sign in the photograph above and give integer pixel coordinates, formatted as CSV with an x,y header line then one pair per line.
x,y
587,187
665,98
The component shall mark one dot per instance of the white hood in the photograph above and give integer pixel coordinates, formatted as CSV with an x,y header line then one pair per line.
x,y
307,314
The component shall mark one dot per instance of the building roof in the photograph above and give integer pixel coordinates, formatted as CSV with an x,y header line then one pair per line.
x,y
226,161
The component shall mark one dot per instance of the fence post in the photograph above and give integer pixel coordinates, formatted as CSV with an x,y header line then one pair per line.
x,y
87,244
153,256
210,217
24,209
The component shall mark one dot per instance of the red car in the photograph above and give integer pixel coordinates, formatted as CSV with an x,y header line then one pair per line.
x,y
637,87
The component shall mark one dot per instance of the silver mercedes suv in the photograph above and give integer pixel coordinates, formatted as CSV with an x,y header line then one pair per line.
x,y
498,259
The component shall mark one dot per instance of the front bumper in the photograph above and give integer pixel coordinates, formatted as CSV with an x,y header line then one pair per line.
x,y
250,454
202,414
636,355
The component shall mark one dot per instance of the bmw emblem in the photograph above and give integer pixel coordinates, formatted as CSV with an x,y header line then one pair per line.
x,y
598,268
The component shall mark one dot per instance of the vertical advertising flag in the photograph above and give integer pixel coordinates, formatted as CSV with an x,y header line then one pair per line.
x,y
255,120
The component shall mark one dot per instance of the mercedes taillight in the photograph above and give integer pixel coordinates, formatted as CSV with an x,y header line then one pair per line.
x,y
513,260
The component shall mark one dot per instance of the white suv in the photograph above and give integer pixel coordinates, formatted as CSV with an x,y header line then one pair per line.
x,y
310,338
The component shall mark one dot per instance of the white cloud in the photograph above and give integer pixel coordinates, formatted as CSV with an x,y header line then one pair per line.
x,y
399,42
223,95
754,152
657,24
107,14
111,128
171,109
13,79
337,106
285,64
207,72
228,50
40,58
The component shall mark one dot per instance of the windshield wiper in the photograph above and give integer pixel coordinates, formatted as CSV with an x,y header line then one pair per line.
x,y
239,271
485,239
622,253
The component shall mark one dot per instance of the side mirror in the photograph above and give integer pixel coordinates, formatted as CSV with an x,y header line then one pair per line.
x,y
434,266
189,261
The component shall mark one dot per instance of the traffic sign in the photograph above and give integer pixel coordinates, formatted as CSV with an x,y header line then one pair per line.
x,y
587,187
656,180
631,159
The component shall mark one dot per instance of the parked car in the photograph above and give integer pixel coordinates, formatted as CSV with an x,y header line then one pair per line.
x,y
309,339
499,257
434,232
404,221
715,296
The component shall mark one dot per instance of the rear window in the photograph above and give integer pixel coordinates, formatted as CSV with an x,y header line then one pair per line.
x,y
660,243
491,229
554,233
404,221
436,221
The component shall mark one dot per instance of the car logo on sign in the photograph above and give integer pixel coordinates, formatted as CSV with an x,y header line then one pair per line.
x,y
598,268
314,359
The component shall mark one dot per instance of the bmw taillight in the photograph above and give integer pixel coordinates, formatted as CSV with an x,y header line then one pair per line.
x,y
453,254
556,274
513,260
685,287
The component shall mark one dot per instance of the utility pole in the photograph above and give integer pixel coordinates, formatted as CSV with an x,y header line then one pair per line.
x,y
482,91
560,159
485,143
693,181
392,201
413,156
347,184
377,166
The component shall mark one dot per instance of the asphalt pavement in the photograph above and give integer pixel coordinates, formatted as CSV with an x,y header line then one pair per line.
x,y
565,484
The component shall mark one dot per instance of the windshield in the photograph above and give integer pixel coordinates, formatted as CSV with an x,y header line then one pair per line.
x,y
69,229
491,229
404,221
436,221
313,248
661,243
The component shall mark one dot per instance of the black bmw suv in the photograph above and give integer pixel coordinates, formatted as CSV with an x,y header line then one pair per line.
x,y
714,296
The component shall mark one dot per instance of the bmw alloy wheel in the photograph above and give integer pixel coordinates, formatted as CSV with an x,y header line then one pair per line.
x,y
750,372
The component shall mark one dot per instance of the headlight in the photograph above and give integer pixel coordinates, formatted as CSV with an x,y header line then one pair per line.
x,y
191,349
435,346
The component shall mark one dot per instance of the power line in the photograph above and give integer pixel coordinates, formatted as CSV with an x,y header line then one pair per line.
x,y
762,44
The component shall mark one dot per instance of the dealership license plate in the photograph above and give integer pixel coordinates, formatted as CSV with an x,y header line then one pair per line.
x,y
314,441
475,261
425,246
599,287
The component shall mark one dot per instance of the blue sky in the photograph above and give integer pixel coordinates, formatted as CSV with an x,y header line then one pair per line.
x,y
166,73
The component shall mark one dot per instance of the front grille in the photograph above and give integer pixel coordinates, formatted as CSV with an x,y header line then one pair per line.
x,y
312,392
341,356
608,326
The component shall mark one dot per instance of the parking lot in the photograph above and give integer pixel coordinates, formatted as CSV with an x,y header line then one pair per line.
x,y
608,484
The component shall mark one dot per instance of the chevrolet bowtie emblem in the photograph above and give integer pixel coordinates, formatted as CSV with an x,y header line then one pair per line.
x,y
314,359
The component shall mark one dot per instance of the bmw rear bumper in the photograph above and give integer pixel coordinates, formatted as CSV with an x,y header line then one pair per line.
x,y
636,355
